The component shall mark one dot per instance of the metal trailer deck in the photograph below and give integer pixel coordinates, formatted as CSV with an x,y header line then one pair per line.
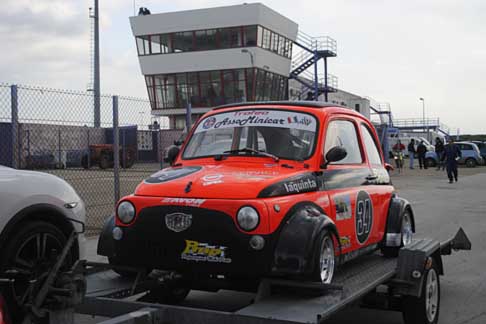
x,y
279,301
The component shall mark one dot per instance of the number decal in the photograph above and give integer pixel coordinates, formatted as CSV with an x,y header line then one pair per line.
x,y
364,216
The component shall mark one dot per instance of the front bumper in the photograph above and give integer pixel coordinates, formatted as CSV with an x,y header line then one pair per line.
x,y
211,245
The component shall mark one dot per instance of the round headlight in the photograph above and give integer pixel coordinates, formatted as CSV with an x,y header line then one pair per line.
x,y
126,212
248,218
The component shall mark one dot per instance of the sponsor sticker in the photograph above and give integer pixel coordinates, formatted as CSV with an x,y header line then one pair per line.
x,y
364,216
300,185
204,252
342,203
193,202
171,174
212,179
267,118
345,242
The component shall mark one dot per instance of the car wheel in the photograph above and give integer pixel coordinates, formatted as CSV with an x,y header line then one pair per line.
x,y
424,309
325,259
430,162
471,163
406,236
104,161
166,295
31,252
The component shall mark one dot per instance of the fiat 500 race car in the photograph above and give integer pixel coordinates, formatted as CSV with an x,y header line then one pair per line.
x,y
286,189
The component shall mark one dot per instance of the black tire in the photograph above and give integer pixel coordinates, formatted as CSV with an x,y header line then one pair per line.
x,y
104,162
172,295
471,163
326,245
392,251
430,162
29,250
415,310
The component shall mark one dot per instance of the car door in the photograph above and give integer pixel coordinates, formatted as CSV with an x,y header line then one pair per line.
x,y
378,183
345,183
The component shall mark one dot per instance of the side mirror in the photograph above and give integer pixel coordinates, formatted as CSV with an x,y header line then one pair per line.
x,y
389,167
335,154
172,153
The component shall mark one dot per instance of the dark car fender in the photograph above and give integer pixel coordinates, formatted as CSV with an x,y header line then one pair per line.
x,y
106,244
298,237
397,208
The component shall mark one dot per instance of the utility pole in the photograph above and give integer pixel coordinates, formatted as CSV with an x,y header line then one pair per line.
x,y
96,70
426,129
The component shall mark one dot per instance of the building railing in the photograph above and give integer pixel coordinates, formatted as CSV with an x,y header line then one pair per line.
x,y
417,122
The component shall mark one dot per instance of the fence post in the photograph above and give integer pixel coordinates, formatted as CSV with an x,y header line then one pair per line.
x,y
116,150
14,105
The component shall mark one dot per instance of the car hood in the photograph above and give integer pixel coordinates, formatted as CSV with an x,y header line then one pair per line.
x,y
228,181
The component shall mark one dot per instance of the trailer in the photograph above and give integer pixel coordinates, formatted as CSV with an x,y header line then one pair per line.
x,y
409,284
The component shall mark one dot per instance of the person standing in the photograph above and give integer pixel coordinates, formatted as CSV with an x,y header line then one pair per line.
x,y
421,150
411,152
451,155
439,150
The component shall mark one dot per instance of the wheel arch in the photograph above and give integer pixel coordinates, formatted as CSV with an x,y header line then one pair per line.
x,y
40,212
396,209
301,228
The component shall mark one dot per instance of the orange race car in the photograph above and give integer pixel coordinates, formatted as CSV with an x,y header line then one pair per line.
x,y
285,189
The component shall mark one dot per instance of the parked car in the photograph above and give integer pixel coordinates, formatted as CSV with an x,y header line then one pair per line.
x,y
471,156
39,212
317,195
482,149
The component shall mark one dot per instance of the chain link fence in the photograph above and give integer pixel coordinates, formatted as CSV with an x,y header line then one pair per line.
x,y
53,131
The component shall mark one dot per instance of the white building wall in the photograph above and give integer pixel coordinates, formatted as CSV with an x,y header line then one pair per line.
x,y
219,17
213,60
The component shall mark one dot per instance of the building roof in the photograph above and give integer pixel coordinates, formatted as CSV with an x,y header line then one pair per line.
x,y
311,104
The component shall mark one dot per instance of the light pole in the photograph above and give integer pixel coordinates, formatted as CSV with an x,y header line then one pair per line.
x,y
245,50
423,117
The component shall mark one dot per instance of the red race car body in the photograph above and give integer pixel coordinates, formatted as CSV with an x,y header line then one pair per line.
x,y
264,189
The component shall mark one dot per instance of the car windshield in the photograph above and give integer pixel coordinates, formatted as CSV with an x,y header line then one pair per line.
x,y
282,133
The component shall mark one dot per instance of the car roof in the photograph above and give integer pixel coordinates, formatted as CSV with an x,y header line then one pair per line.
x,y
319,106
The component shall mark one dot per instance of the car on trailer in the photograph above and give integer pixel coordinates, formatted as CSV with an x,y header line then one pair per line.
x,y
39,213
293,190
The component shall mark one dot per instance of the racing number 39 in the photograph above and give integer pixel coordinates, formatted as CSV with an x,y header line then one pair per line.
x,y
364,216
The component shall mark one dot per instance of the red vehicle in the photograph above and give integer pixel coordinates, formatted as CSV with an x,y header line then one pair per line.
x,y
281,189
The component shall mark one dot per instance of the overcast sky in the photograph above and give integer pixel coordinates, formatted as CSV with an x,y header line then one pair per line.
x,y
391,50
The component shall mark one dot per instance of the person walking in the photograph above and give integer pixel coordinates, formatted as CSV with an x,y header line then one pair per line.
x,y
451,155
411,152
421,150
439,150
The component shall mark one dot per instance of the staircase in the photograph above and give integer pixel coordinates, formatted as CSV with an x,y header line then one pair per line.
x,y
313,49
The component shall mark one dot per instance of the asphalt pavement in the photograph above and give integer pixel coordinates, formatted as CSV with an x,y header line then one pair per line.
x,y
440,209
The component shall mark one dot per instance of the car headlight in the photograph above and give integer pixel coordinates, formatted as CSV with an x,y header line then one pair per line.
x,y
126,212
248,218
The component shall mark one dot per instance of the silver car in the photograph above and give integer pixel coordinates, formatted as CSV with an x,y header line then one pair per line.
x,y
38,213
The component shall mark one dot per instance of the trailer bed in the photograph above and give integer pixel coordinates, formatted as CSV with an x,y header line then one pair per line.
x,y
357,278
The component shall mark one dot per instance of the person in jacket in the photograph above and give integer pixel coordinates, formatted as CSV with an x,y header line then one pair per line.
x,y
439,150
451,155
398,149
411,152
421,150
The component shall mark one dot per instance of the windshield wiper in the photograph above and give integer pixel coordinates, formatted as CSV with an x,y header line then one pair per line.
x,y
250,150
